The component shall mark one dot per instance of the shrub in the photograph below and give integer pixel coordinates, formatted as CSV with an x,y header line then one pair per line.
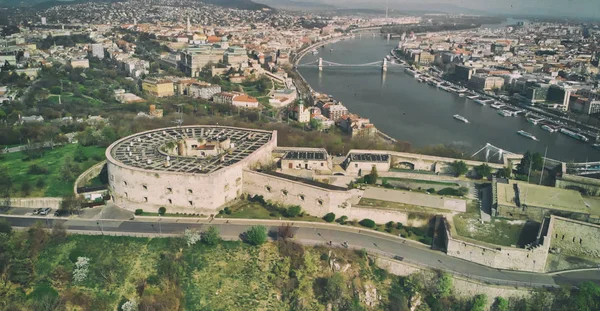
x,y
256,235
139,211
227,211
273,214
35,169
342,220
325,257
367,223
162,210
431,190
210,236
389,224
426,240
40,183
329,217
399,226
293,211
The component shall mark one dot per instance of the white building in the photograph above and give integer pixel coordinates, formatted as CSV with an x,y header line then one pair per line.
x,y
97,50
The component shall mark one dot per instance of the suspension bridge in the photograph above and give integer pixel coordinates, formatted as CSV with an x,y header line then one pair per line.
x,y
320,63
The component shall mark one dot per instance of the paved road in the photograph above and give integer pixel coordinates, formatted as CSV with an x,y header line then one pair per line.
x,y
308,233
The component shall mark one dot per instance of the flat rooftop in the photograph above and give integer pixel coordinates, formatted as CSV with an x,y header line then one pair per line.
x,y
540,196
368,157
144,150
305,155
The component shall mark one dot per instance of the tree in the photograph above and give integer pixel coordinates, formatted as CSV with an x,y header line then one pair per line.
x,y
211,236
479,303
444,288
534,160
6,184
285,231
367,223
459,167
81,270
587,297
191,236
257,235
26,188
69,170
374,173
329,217
500,304
483,170
333,290
293,211
80,155
130,305
71,204
5,227
504,172
162,210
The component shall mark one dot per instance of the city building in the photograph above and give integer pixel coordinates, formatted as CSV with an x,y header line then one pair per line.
x,y
244,101
463,73
236,57
80,63
97,50
203,90
486,82
300,113
194,59
158,87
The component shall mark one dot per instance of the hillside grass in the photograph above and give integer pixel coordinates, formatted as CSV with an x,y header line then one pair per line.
x,y
17,167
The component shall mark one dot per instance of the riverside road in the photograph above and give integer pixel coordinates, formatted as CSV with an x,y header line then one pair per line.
x,y
313,233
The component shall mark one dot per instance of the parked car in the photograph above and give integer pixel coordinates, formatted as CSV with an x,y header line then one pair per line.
x,y
45,211
400,258
61,212
36,211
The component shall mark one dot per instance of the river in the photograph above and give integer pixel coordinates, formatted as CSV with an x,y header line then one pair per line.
x,y
421,114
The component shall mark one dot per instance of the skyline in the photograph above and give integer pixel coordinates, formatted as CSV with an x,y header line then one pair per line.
x,y
556,8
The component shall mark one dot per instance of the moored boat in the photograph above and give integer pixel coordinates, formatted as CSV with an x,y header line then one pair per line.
x,y
575,135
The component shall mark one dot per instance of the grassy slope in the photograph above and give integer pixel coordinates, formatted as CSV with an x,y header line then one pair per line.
x,y
53,161
229,276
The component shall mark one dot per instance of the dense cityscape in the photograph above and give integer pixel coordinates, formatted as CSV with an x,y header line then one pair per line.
x,y
231,155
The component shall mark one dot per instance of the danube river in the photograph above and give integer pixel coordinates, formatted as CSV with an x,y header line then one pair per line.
x,y
421,114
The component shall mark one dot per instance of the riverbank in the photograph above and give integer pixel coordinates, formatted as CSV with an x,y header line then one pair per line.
x,y
407,110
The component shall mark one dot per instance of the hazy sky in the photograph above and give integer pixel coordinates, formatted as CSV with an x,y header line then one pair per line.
x,y
582,8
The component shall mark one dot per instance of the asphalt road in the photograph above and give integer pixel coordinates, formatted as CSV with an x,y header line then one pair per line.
x,y
322,234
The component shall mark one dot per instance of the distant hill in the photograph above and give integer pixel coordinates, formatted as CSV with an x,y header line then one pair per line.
x,y
41,4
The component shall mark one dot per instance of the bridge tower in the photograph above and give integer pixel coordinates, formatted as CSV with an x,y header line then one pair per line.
x,y
384,66
320,63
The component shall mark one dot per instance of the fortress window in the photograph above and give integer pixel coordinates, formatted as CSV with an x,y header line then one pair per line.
x,y
170,201
321,163
226,188
563,237
573,239
301,197
238,181
145,187
169,190
268,188
356,165
145,199
284,192
191,203
580,240
124,183
320,202
126,195
112,177
190,191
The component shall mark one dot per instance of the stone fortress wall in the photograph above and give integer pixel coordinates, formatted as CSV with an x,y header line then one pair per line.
x,y
501,257
576,238
133,187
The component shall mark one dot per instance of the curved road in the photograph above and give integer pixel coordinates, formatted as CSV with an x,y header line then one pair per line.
x,y
316,233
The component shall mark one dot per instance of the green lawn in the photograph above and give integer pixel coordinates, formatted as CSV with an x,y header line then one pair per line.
x,y
53,160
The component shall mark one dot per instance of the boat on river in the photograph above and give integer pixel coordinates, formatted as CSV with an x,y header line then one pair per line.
x,y
575,135
526,134
460,118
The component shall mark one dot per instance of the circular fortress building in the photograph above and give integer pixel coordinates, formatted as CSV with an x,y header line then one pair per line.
x,y
191,169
